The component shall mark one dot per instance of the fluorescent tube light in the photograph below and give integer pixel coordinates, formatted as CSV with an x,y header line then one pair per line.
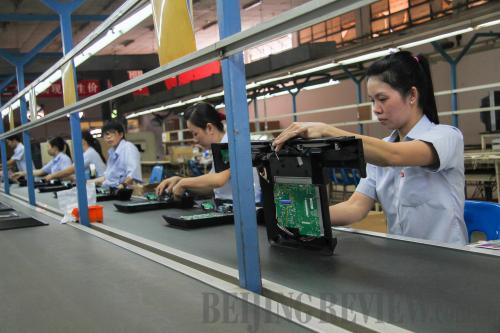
x,y
487,24
435,38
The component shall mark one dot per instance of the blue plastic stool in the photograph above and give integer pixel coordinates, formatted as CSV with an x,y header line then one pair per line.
x,y
344,177
156,174
484,217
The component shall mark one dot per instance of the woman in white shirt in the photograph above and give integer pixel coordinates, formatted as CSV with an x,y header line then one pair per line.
x,y
417,173
93,160
206,125
17,158
59,150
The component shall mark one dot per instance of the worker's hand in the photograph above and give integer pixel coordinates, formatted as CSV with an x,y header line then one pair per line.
x,y
19,174
96,181
167,185
48,178
304,130
178,190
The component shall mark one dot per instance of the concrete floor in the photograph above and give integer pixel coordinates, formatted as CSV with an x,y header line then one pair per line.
x,y
57,278
423,280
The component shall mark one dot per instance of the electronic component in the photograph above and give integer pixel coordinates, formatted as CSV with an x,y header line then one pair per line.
x,y
111,193
303,217
151,201
198,217
294,181
207,205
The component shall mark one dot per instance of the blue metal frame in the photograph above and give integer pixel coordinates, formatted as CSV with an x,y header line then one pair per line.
x,y
233,75
26,136
294,103
453,67
64,11
48,18
24,58
19,61
256,112
3,148
357,82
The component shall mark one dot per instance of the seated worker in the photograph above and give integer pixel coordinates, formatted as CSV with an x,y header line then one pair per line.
x,y
59,149
206,125
17,159
416,173
92,155
124,160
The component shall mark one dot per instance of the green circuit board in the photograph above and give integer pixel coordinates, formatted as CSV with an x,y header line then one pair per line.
x,y
298,207
225,155
202,216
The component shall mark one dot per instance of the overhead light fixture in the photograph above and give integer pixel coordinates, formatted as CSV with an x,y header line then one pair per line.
x,y
368,56
332,82
96,132
317,69
194,100
435,38
252,4
42,86
113,33
364,57
487,24
5,111
217,94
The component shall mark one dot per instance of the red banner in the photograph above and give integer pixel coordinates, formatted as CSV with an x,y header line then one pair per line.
x,y
143,91
85,88
193,75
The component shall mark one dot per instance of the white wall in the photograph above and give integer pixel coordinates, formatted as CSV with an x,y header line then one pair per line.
x,y
474,69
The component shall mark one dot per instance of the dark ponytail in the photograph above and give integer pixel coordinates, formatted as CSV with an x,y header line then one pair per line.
x,y
200,114
61,145
402,71
93,142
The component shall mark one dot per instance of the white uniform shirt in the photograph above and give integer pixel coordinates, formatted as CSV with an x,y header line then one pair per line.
x,y
225,192
60,162
421,202
91,156
123,162
18,156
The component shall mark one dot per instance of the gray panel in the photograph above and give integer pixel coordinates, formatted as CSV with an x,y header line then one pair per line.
x,y
419,287
60,279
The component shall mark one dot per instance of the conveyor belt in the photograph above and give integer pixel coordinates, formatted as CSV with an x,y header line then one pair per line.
x,y
415,286
61,279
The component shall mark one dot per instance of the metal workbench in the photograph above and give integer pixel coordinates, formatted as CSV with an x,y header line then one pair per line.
x,y
413,285
57,278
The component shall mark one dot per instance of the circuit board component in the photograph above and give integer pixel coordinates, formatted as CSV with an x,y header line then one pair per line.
x,y
298,209
201,216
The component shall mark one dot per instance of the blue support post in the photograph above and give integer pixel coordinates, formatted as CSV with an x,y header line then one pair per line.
x,y
453,67
256,112
3,148
294,106
64,11
26,136
48,18
358,100
454,97
233,74
3,151
357,82
20,60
